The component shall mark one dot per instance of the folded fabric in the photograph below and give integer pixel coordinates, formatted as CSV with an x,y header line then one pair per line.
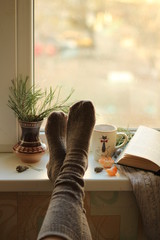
x,y
146,188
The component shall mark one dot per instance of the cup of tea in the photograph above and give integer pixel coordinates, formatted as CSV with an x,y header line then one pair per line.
x,y
104,139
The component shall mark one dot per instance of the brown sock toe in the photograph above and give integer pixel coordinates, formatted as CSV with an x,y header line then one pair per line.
x,y
56,132
80,124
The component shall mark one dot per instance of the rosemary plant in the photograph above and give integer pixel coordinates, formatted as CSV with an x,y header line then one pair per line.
x,y
128,132
31,104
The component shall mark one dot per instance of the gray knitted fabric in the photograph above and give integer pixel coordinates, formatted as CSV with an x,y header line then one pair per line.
x,y
146,187
65,216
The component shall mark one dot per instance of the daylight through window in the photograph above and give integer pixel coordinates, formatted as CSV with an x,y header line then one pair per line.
x,y
107,51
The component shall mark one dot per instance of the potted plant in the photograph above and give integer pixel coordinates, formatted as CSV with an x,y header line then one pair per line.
x,y
31,106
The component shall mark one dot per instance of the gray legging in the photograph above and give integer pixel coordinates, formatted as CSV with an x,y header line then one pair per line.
x,y
65,216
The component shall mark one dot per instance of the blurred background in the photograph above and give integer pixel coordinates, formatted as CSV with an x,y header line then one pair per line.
x,y
108,51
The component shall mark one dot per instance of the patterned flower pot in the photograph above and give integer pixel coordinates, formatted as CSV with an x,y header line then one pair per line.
x,y
30,149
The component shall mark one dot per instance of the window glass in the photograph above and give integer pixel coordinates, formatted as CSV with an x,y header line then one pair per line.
x,y
107,51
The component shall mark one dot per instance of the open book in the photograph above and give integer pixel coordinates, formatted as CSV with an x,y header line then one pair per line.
x,y
143,150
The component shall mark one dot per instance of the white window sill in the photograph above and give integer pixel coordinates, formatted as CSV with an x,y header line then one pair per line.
x,y
32,180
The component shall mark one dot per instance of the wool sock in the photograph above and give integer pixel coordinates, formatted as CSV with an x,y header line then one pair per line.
x,y
65,216
56,133
80,124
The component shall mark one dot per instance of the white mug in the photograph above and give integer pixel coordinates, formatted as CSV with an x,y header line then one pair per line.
x,y
104,139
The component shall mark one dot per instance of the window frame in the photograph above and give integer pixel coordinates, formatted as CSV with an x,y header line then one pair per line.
x,y
25,38
16,59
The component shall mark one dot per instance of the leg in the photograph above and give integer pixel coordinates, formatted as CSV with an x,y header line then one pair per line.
x,y
55,131
65,216
53,238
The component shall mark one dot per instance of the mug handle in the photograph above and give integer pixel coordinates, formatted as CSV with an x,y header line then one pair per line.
x,y
125,140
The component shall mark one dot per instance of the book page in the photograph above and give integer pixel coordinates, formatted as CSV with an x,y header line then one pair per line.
x,y
145,144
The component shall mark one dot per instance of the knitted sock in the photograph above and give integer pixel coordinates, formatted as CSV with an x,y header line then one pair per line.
x,y
79,128
56,132
65,216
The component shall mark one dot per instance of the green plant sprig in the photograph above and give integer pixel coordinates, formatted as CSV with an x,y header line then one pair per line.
x,y
127,132
31,104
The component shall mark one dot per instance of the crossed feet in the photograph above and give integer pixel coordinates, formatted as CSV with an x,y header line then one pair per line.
x,y
66,136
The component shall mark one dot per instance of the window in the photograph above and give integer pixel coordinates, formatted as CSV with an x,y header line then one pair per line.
x,y
108,51
15,58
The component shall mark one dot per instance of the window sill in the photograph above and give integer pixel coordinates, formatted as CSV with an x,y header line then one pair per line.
x,y
33,180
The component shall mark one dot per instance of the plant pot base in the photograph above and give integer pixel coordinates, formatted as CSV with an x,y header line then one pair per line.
x,y
29,158
30,149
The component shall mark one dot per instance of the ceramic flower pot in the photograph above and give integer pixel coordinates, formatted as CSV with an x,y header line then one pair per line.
x,y
30,149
